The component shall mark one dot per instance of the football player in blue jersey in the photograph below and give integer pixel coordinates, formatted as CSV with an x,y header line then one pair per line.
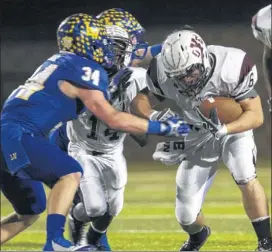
x,y
56,92
121,18
142,53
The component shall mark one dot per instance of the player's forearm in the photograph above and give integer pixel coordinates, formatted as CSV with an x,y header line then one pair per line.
x,y
152,51
120,121
247,121
142,62
128,123
267,68
251,118
141,106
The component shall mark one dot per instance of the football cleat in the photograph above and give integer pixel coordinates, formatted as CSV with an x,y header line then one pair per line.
x,y
103,244
190,245
58,244
265,245
77,231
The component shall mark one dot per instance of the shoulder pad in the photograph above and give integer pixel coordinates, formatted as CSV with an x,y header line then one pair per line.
x,y
156,79
84,73
231,68
138,72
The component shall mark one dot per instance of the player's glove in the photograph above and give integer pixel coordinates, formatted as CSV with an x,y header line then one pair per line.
x,y
175,127
162,115
120,83
213,123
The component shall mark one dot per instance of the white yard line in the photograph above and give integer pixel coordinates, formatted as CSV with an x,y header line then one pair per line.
x,y
172,216
158,204
144,231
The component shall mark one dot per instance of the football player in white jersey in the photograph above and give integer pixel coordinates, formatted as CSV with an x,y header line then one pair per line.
x,y
187,71
261,27
99,150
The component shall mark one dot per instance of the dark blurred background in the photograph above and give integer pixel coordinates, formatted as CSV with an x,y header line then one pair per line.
x,y
28,37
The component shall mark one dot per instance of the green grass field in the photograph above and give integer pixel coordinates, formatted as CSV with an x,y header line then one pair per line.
x,y
148,221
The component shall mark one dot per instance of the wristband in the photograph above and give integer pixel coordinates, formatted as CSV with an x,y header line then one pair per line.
x,y
155,127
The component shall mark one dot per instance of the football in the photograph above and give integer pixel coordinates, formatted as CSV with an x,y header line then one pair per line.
x,y
228,109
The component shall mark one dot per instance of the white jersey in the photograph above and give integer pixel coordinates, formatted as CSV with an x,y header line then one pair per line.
x,y
89,133
261,25
233,76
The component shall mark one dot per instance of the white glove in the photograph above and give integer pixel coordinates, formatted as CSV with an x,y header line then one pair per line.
x,y
213,123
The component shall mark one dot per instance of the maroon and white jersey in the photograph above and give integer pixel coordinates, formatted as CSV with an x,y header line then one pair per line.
x,y
90,133
234,75
261,25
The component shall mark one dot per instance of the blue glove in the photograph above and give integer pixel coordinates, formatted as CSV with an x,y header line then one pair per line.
x,y
171,127
176,127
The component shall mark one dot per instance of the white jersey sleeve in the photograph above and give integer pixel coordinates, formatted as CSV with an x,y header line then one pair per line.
x,y
261,25
157,78
138,82
240,74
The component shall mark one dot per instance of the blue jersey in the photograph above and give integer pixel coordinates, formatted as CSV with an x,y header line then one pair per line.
x,y
39,105
59,137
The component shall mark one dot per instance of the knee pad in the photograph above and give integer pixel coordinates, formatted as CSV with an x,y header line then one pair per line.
x,y
96,209
79,212
117,203
186,211
116,208
184,215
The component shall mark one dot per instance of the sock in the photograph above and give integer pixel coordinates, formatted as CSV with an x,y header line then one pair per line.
x,y
262,227
199,236
55,225
102,222
94,235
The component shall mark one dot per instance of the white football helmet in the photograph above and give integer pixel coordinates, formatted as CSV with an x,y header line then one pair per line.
x,y
186,60
122,45
261,25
